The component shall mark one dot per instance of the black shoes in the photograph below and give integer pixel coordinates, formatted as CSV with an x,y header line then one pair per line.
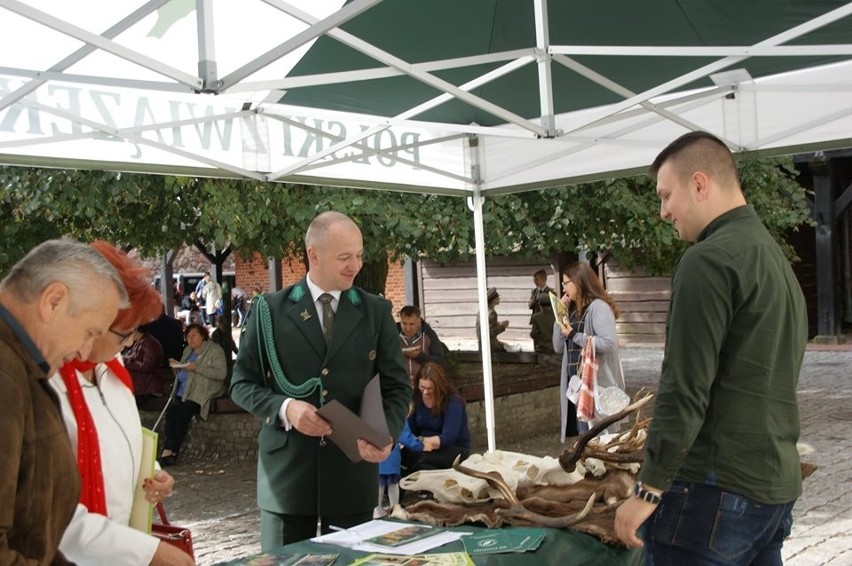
x,y
166,461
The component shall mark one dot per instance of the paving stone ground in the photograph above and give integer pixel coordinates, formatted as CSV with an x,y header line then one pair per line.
x,y
217,499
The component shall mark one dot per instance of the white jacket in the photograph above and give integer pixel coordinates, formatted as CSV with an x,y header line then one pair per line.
x,y
92,538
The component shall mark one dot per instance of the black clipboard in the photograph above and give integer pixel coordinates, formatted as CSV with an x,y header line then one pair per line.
x,y
348,427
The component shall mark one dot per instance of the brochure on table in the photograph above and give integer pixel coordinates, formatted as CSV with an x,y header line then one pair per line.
x,y
398,538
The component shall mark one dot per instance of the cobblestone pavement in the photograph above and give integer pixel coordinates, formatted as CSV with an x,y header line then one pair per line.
x,y
217,499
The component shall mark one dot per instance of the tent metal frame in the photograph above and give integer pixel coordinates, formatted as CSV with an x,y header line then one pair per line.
x,y
619,125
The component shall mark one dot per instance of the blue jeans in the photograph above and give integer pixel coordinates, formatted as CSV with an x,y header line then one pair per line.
x,y
698,523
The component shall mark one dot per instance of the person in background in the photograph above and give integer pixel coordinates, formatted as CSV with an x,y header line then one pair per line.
x,y
99,410
721,454
390,470
542,326
239,305
200,377
169,333
331,339
494,328
595,316
199,287
212,296
222,335
540,290
439,421
143,358
189,309
418,341
53,304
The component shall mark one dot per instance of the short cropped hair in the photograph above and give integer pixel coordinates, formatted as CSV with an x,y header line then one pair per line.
x,y
202,330
409,310
66,261
315,236
699,151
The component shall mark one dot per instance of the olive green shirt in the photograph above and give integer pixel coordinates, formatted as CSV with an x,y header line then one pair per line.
x,y
726,412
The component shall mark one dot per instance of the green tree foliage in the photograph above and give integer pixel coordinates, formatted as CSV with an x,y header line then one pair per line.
x,y
619,217
130,210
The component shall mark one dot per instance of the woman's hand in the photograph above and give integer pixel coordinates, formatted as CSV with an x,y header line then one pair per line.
x,y
158,487
431,443
170,555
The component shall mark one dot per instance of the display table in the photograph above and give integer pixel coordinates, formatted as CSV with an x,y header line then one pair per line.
x,y
560,546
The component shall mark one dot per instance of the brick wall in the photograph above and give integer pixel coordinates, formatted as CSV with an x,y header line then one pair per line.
x,y
254,272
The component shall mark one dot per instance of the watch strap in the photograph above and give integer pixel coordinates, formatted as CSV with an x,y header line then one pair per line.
x,y
645,495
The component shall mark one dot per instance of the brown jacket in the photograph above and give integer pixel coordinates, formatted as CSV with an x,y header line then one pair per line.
x,y
39,482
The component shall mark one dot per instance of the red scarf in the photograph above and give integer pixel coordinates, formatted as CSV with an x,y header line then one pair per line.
x,y
93,495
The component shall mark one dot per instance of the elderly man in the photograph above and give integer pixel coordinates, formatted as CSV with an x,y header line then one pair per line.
x,y
53,304
327,340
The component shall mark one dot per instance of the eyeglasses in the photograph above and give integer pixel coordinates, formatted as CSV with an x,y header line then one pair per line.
x,y
124,337
566,281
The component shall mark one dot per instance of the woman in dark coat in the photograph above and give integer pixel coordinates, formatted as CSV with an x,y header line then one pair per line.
x,y
144,360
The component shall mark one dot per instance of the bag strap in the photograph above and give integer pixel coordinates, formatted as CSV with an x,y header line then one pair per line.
x,y
267,338
162,512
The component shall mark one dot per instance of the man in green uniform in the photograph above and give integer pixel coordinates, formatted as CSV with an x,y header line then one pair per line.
x,y
296,355
721,470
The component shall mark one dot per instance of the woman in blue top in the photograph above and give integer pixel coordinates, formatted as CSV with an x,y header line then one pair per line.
x,y
439,421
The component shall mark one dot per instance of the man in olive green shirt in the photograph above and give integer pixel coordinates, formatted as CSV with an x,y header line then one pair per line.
x,y
720,455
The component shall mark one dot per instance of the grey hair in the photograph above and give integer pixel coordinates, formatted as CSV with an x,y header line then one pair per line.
x,y
66,261
315,236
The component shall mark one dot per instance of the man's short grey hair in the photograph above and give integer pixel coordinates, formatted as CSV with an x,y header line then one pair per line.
x,y
315,236
65,261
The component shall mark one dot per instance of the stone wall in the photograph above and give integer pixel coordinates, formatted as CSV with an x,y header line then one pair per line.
x,y
233,436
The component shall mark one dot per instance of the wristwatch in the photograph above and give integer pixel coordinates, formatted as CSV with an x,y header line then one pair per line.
x,y
645,495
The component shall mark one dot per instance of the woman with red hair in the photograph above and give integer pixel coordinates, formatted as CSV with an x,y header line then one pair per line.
x,y
100,414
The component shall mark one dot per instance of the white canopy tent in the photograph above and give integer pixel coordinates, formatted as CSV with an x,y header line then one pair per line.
x,y
456,98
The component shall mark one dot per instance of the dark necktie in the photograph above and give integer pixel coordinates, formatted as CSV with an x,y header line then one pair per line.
x,y
327,316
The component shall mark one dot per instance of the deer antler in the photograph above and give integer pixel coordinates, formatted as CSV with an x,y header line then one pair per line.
x,y
545,521
494,479
516,508
568,461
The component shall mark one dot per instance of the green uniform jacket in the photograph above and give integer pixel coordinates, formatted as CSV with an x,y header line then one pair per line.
x,y
295,474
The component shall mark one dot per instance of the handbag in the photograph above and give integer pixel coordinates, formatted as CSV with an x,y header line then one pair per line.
x,y
178,536
593,400
589,377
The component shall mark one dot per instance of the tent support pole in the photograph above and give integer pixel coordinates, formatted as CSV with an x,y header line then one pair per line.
x,y
481,289
207,67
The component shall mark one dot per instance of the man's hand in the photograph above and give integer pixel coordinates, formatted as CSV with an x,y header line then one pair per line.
x,y
170,555
629,517
372,453
304,418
